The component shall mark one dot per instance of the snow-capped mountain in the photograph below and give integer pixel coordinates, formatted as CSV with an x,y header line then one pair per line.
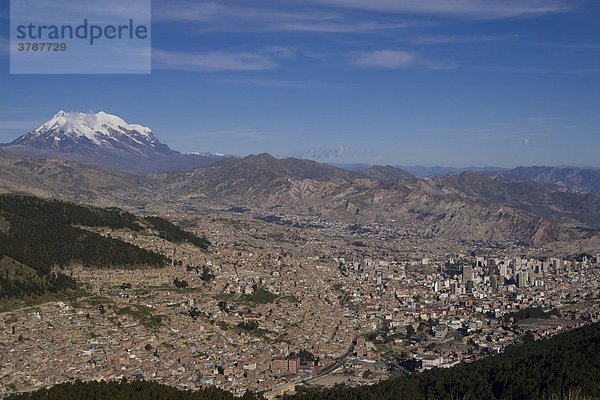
x,y
76,132
103,139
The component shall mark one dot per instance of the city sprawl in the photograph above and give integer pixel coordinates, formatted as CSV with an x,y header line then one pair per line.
x,y
271,306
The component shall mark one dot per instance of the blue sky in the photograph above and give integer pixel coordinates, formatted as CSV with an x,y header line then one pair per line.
x,y
430,82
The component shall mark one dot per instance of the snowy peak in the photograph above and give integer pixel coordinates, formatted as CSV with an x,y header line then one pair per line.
x,y
102,139
84,133
97,128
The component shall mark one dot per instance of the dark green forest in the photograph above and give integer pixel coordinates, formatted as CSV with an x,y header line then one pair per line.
x,y
37,234
529,312
18,280
135,390
63,212
171,232
58,212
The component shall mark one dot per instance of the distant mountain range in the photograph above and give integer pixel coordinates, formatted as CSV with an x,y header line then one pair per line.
x,y
465,206
573,178
423,171
103,139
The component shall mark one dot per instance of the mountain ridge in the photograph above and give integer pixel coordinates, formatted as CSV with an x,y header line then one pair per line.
x,y
584,179
466,205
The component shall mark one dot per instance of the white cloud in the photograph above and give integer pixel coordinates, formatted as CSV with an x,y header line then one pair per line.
x,y
451,39
475,9
310,15
275,83
269,17
340,150
335,26
582,71
279,52
209,62
392,59
187,11
268,82
324,154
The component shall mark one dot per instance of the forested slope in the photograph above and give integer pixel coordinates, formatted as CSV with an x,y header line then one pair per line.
x,y
38,234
